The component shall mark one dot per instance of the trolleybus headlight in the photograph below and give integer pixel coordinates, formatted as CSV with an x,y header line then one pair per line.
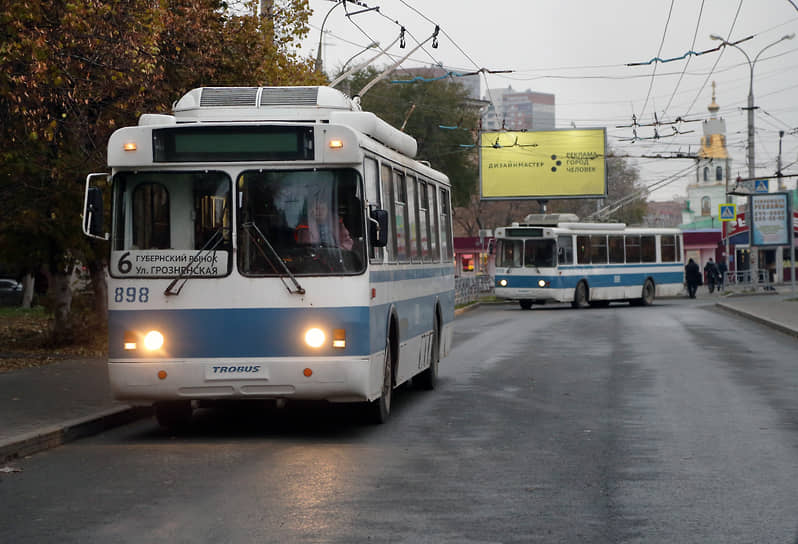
x,y
503,283
314,337
542,283
153,340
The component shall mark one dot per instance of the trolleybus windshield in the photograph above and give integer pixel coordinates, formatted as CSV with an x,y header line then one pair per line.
x,y
313,219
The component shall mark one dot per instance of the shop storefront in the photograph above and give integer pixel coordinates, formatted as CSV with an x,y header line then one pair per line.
x,y
776,260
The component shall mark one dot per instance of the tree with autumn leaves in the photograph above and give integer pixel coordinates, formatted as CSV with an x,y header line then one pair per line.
x,y
71,72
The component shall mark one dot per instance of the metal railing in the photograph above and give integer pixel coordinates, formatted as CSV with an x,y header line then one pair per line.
x,y
469,289
748,280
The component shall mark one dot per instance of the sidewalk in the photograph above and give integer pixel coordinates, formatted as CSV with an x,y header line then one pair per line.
x,y
778,310
44,407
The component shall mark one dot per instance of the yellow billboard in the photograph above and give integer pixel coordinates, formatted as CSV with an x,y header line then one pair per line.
x,y
543,164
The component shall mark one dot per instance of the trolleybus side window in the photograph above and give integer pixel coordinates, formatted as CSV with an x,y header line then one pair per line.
x,y
632,242
400,201
435,233
583,249
412,223
423,219
565,250
151,229
446,226
372,181
615,245
598,249
668,248
648,248
387,197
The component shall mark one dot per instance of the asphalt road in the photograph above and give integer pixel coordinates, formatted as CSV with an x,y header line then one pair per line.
x,y
673,423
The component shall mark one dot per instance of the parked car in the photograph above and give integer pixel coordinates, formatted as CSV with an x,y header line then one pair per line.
x,y
10,292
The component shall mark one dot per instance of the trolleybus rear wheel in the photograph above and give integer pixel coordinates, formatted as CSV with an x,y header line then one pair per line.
x,y
428,378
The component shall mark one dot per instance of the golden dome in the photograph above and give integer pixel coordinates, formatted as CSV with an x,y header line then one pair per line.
x,y
713,147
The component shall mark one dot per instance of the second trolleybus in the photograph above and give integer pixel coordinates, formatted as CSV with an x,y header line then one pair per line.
x,y
557,258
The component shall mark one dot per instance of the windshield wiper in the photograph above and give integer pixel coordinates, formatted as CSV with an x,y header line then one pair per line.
x,y
215,240
298,289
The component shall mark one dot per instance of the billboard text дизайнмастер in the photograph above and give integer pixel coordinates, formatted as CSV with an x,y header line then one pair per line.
x,y
542,164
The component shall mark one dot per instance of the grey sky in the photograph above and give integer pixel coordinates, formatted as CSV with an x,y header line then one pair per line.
x,y
578,50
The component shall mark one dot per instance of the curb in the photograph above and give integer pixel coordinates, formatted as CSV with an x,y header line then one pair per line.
x,y
464,309
761,320
56,435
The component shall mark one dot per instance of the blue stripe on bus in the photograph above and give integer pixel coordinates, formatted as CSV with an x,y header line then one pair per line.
x,y
271,332
619,266
620,279
238,332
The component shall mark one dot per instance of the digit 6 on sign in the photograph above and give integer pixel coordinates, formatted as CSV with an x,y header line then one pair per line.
x,y
124,265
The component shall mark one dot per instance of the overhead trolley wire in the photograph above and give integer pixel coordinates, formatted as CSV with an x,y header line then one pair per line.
x,y
659,52
717,60
686,64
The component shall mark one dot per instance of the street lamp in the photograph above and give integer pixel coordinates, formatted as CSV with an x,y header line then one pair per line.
x,y
751,108
754,264
318,66
372,45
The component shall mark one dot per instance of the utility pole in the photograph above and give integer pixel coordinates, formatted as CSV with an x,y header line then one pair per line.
x,y
778,163
754,260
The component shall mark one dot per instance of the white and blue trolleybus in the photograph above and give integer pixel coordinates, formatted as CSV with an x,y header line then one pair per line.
x,y
557,258
272,243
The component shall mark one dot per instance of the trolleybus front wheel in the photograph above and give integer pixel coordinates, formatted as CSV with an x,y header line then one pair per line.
x,y
174,414
580,296
380,409
526,304
647,298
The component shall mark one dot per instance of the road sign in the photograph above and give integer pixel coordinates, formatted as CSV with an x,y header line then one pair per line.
x,y
761,186
727,212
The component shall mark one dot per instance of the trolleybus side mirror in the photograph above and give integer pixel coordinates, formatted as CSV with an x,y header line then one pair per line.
x,y
378,227
93,214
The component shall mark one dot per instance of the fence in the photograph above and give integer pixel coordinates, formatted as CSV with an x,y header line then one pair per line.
x,y
748,280
469,289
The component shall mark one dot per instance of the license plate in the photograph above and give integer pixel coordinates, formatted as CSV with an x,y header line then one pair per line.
x,y
235,371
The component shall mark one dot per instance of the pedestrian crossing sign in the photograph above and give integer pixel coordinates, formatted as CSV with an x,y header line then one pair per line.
x,y
761,186
727,212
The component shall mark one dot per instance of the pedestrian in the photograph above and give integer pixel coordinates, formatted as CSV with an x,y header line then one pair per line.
x,y
722,269
711,273
692,275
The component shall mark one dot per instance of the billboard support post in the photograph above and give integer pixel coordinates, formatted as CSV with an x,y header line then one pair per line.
x,y
543,204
